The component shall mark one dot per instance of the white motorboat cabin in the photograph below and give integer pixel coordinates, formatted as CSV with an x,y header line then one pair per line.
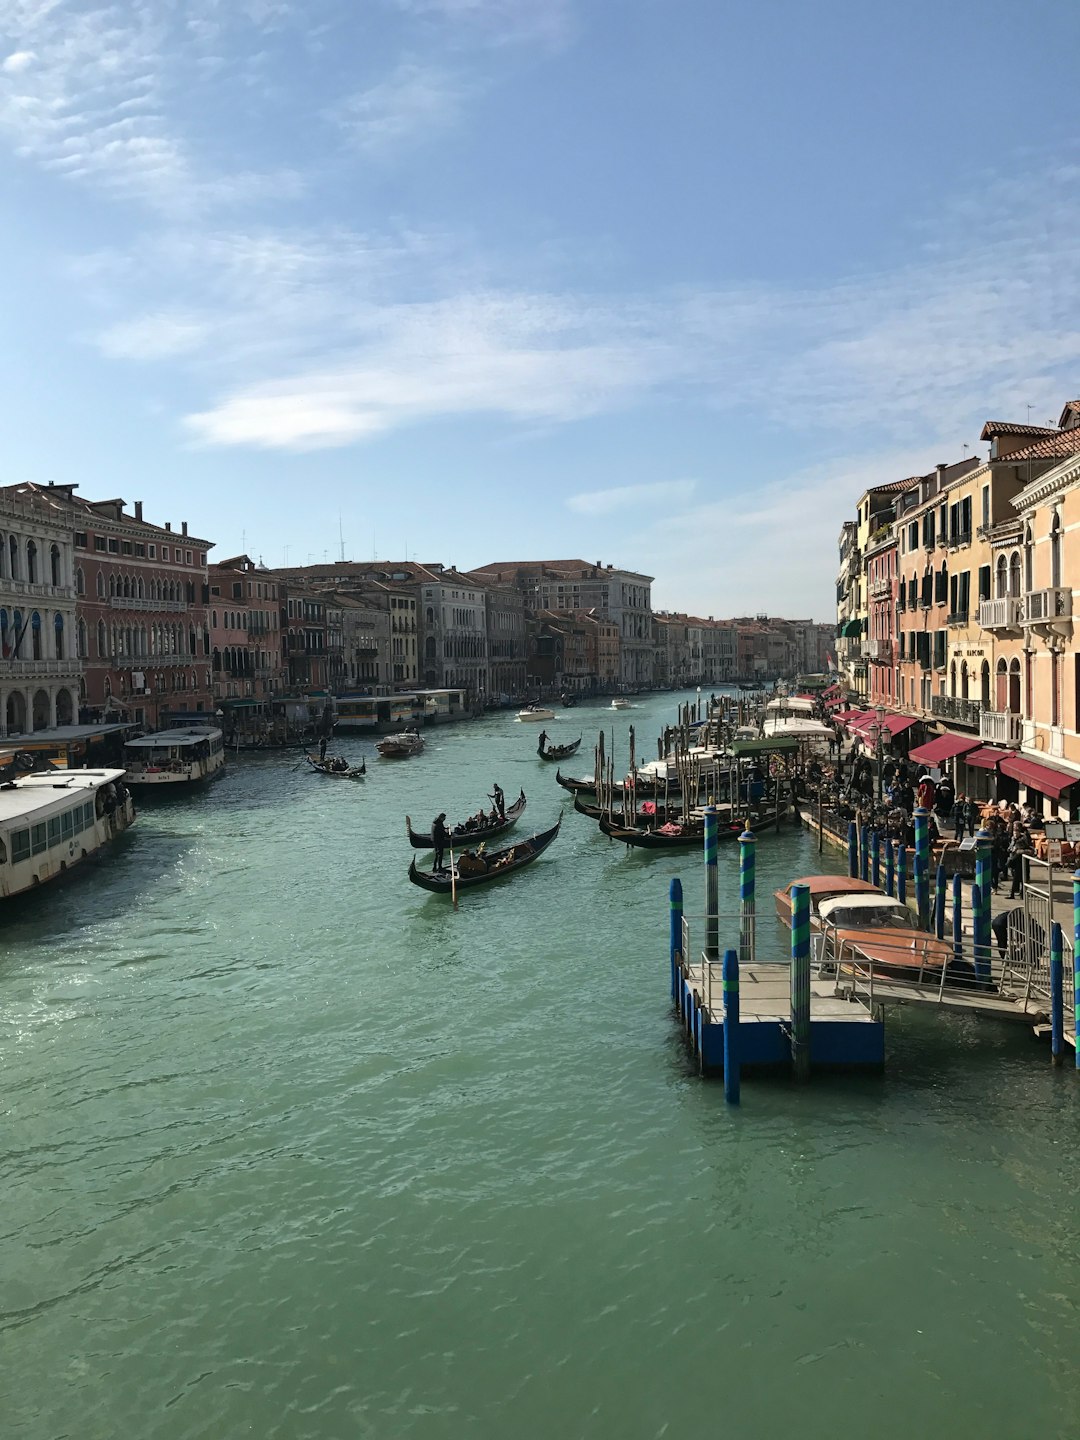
x,y
175,757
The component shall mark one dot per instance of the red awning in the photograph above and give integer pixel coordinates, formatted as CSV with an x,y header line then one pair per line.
x,y
1040,777
943,747
895,724
986,757
845,715
853,719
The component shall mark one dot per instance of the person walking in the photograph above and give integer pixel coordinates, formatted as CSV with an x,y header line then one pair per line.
x,y
926,792
1019,846
441,838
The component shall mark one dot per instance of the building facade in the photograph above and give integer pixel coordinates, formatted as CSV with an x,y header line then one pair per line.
x,y
245,631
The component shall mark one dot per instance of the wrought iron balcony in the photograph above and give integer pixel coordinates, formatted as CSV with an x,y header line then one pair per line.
x,y
1001,727
1004,613
1048,607
880,649
953,707
958,617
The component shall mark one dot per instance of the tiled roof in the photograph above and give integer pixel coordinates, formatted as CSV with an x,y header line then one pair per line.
x,y
1008,427
1058,445
895,486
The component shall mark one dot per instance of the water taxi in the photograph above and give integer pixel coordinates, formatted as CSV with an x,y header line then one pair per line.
x,y
399,747
620,703
536,712
175,757
54,819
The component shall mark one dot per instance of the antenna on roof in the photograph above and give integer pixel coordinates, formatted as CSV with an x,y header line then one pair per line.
x,y
341,539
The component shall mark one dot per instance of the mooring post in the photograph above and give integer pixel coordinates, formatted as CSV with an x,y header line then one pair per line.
x,y
747,901
957,921
1076,966
1057,994
982,936
712,891
875,858
890,868
675,908
853,850
820,822
800,981
901,872
922,865
939,903
731,1027
983,870
864,852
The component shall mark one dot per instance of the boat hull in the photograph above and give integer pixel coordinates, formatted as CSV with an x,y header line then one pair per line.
x,y
520,855
460,836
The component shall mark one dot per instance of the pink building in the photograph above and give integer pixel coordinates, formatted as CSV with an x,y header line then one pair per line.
x,y
881,598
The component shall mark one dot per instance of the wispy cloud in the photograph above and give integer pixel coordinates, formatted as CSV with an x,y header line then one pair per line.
x,y
671,494
159,336
501,22
416,103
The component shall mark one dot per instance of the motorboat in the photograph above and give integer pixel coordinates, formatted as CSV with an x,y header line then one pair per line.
x,y
620,703
400,747
536,712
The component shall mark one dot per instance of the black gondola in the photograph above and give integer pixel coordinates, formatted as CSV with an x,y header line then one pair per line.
x,y
498,863
559,752
576,787
691,837
597,812
329,766
460,836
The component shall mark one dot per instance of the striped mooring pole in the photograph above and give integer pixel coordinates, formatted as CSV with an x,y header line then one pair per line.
x,y
1057,994
922,866
984,870
853,851
864,852
731,1027
901,872
800,981
1076,965
675,910
982,936
957,920
747,902
890,867
939,903
712,889
875,858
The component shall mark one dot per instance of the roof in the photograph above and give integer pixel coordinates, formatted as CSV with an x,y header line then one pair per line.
x,y
895,486
1048,780
1057,445
1009,427
191,735
582,569
36,795
62,500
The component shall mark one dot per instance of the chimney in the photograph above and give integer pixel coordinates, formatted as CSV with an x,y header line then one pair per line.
x,y
138,509
183,527
168,525
941,468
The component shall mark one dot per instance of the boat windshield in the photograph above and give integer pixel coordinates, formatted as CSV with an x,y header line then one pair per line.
x,y
871,917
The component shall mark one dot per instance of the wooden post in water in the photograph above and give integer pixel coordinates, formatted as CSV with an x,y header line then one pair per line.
x,y
712,888
820,820
875,858
747,900
864,852
731,1027
675,908
939,903
922,865
800,981
982,937
1057,995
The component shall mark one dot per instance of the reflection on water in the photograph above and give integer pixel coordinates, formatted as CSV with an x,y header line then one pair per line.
x,y
291,1148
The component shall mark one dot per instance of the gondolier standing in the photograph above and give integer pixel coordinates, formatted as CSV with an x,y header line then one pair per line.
x,y
542,742
441,839
499,798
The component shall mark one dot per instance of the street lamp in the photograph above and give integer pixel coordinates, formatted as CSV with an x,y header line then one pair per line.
x,y
879,747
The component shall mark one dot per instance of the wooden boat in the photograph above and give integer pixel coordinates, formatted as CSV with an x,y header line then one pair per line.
x,y
690,837
459,835
398,747
496,863
535,712
585,786
598,812
560,752
821,887
873,928
337,767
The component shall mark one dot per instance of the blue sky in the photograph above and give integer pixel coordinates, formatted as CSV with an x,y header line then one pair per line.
x,y
659,282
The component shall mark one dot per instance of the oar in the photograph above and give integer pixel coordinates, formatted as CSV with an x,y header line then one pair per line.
x,y
453,878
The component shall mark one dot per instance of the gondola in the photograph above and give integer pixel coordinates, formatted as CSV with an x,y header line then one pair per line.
x,y
692,835
460,836
327,767
576,787
597,812
498,863
559,752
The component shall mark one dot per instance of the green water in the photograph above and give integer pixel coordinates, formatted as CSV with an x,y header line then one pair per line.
x,y
289,1149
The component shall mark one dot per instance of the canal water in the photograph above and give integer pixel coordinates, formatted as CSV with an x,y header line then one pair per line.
x,y
290,1149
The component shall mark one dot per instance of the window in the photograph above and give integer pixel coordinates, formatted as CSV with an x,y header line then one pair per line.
x,y
151,552
985,506
114,545
187,557
54,831
99,542
80,540
20,845
65,825
140,550
126,547
38,841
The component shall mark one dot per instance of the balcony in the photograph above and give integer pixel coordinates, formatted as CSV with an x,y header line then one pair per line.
x,y
1000,727
1004,613
1052,608
880,650
33,589
125,602
958,617
43,670
952,707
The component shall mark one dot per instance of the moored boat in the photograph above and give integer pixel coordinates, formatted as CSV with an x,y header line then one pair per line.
x,y
821,887
472,869
171,758
585,786
50,821
399,747
875,929
461,834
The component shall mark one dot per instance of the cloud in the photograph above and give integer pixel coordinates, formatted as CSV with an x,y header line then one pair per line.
x,y
415,103
152,337
500,22
18,61
669,493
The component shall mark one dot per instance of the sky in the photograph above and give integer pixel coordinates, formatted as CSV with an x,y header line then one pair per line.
x,y
660,283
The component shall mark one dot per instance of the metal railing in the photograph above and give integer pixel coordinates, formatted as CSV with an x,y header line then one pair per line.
x,y
954,707
729,937
127,602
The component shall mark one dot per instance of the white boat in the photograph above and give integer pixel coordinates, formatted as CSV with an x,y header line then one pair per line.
x,y
397,747
619,703
536,712
175,757
55,819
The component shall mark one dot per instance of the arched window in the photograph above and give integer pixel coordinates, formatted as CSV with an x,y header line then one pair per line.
x,y
1055,550
35,635
213,618
108,688
13,552
963,680
1002,578
5,634
17,633
80,639
102,643
984,685
31,562
80,582
952,678
54,565
1029,558
1014,687
58,635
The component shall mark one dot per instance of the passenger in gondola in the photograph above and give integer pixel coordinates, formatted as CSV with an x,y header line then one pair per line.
x,y
440,838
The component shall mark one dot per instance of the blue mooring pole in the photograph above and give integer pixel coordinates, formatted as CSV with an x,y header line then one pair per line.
x,y
957,920
747,902
676,911
875,858
890,868
853,850
922,866
712,890
864,852
901,872
800,981
939,903
1076,965
731,1027
984,870
982,936
1057,994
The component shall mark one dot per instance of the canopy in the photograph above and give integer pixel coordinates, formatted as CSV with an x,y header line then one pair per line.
x,y
894,724
803,704
846,715
986,757
850,628
1040,777
942,747
768,746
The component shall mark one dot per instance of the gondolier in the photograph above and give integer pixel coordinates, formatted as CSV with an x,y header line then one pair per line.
x,y
499,799
441,839
542,741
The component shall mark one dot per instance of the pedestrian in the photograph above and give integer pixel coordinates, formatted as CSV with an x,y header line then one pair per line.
x,y
926,792
945,798
1019,846
960,816
440,839
999,850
